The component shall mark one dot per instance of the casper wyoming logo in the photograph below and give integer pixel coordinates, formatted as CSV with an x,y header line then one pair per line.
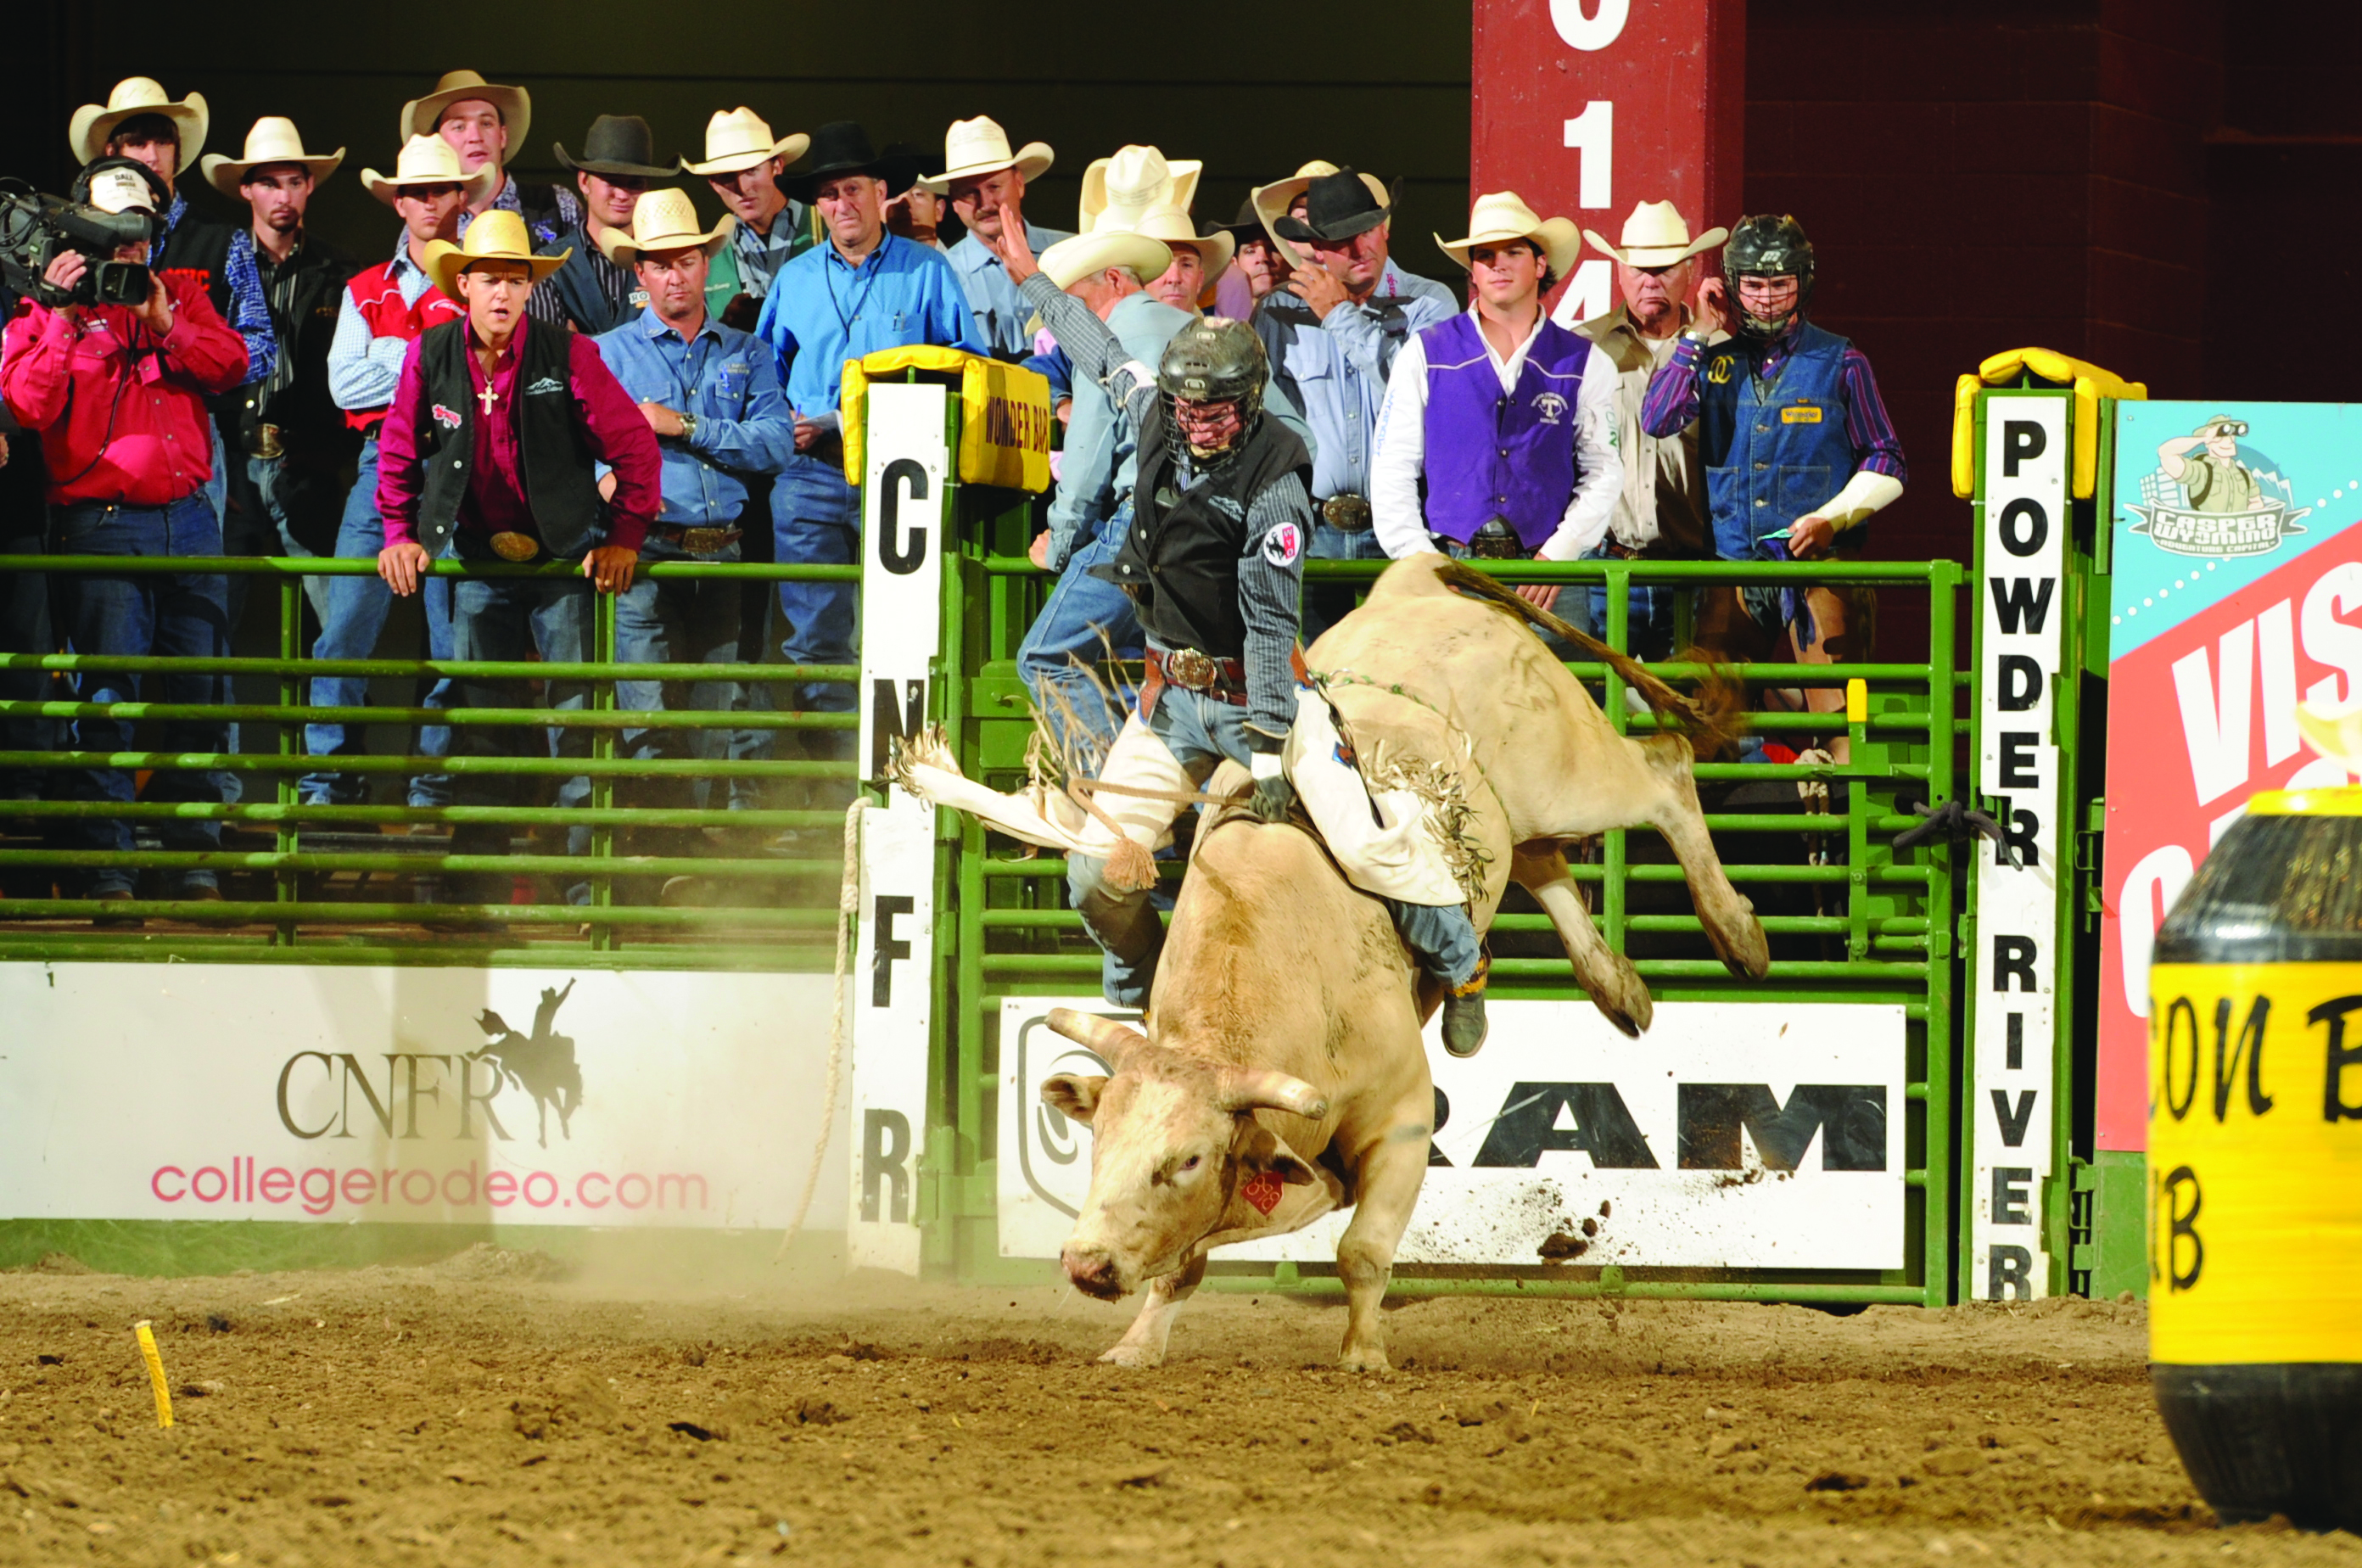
x,y
2210,495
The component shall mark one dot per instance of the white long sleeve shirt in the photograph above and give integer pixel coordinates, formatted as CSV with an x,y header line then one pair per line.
x,y
1402,453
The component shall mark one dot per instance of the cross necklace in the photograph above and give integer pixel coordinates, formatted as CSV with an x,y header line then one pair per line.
x,y
489,396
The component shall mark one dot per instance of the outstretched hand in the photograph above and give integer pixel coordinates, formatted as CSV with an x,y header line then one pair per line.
x,y
1016,251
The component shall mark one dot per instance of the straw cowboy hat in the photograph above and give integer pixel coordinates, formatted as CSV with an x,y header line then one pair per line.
x,y
1071,259
1134,180
94,123
495,235
1500,217
740,138
1656,235
273,140
421,115
1171,224
1272,201
427,160
617,144
980,146
665,220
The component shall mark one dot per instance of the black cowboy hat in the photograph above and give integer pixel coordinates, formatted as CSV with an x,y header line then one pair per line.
x,y
1338,207
1246,227
842,147
618,144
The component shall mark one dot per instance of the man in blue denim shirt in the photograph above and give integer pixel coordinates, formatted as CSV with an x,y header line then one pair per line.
x,y
712,395
1332,332
862,290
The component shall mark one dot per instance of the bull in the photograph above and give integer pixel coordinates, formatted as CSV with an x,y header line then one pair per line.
x,y
1282,1073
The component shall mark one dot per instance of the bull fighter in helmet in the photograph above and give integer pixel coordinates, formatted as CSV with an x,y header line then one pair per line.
x,y
1215,558
1797,449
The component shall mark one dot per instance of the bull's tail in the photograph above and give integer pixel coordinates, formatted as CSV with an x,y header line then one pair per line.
x,y
1713,720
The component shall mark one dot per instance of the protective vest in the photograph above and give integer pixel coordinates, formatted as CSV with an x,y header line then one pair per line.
x,y
1772,449
376,296
554,452
1493,454
1180,557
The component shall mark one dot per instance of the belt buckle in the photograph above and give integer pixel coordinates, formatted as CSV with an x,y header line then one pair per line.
x,y
1346,513
265,441
514,546
1192,669
1496,541
707,541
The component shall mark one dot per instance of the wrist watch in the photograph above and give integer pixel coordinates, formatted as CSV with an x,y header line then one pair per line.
x,y
687,426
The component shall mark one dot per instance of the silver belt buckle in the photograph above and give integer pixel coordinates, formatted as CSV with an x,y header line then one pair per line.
x,y
1347,514
1192,670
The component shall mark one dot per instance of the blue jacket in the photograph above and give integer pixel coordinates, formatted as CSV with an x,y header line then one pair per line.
x,y
1772,451
727,381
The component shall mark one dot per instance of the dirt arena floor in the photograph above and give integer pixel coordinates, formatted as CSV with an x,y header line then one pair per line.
x,y
471,1412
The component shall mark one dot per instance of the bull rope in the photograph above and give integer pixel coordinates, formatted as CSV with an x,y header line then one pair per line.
x,y
848,907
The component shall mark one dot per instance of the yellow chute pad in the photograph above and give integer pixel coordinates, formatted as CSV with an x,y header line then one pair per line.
x,y
2089,382
2337,801
1857,701
2255,1217
1005,418
1964,437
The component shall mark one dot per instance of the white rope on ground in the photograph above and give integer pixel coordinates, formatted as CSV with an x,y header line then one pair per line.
x,y
848,906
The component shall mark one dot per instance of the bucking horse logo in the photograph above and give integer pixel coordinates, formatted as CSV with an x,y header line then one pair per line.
x,y
542,1065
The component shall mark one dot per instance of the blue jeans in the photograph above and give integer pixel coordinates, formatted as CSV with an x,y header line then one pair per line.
x,y
25,629
172,617
262,473
1084,618
511,620
694,621
349,629
1199,731
1326,603
816,521
1649,631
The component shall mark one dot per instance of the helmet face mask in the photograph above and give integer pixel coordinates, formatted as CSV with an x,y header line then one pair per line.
x,y
1214,361
1765,246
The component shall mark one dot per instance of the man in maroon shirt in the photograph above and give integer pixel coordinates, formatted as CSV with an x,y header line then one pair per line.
x,y
117,393
487,454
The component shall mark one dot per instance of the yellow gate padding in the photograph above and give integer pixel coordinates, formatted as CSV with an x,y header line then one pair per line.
x,y
2255,1163
1005,418
2091,383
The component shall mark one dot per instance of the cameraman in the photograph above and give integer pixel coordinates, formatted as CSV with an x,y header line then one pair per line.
x,y
118,394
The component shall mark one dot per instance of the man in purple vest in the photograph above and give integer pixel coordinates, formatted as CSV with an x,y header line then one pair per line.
x,y
1497,439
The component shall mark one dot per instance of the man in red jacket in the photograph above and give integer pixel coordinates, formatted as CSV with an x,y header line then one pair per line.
x,y
118,393
488,454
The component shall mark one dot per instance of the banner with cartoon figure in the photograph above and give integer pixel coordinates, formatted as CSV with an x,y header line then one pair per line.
x,y
2237,595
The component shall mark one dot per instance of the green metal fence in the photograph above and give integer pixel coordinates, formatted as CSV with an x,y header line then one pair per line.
x,y
325,883
1850,917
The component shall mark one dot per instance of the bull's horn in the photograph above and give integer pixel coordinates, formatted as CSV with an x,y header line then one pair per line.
x,y
1102,1034
1273,1091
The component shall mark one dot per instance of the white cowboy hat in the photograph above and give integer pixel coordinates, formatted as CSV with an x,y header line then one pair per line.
x,y
665,220
1134,180
92,123
495,235
420,116
980,146
273,140
1500,217
1656,235
740,138
1084,254
1272,202
427,160
1172,225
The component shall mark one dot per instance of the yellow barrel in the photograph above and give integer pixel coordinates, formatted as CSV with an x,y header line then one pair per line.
x,y
2255,1165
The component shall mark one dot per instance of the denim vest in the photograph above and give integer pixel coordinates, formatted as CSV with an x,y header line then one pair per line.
x,y
1773,450
1491,453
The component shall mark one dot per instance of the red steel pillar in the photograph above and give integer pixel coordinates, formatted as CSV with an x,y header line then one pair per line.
x,y
1587,107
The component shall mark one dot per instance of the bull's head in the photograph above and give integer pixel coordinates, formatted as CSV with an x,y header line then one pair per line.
x,y
1177,1153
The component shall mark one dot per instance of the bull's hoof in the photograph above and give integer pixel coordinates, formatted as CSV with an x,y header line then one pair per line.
x,y
1750,956
1369,1359
1133,1355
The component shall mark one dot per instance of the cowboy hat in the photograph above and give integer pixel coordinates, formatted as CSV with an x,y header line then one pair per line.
x,y
665,220
1272,201
1072,259
1339,206
94,124
1245,228
1134,180
273,140
980,146
617,144
421,116
740,138
1500,217
495,235
1170,224
1656,235
427,160
842,147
